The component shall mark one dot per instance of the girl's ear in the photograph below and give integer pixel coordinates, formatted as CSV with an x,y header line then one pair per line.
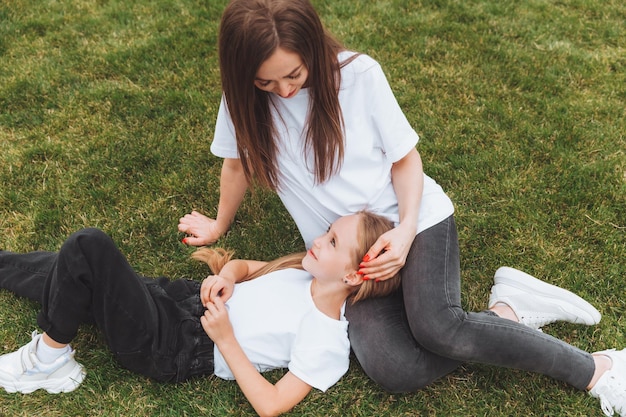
x,y
353,279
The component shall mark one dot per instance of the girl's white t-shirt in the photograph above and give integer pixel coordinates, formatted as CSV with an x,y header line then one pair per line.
x,y
278,326
377,134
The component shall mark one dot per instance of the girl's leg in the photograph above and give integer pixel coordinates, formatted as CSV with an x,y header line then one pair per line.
x,y
143,325
151,327
25,274
91,281
431,285
386,349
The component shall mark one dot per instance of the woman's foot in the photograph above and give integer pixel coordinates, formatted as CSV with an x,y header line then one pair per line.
x,y
537,303
610,388
22,371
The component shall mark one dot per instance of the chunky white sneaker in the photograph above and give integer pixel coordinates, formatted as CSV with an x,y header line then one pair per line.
x,y
21,371
537,303
611,387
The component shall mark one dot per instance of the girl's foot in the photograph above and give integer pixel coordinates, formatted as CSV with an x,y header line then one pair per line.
x,y
22,371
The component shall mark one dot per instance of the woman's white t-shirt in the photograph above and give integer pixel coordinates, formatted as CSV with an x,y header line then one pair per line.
x,y
377,134
278,326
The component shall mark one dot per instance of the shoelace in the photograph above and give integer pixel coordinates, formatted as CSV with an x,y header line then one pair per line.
x,y
612,396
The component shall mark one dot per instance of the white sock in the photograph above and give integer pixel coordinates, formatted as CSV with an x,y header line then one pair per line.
x,y
48,354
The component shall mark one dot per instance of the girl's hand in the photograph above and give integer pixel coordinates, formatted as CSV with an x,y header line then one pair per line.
x,y
201,229
388,255
215,321
215,286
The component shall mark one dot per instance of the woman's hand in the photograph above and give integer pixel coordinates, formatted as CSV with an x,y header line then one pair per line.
x,y
201,229
388,255
216,323
216,286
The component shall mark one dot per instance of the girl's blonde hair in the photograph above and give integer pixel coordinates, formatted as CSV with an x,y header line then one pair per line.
x,y
371,226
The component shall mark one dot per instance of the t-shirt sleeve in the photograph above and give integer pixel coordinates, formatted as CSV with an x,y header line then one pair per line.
x,y
224,143
321,352
395,131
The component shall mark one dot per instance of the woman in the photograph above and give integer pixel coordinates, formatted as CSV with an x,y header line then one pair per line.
x,y
320,125
287,314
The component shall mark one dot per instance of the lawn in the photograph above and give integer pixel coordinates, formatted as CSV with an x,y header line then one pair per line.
x,y
106,118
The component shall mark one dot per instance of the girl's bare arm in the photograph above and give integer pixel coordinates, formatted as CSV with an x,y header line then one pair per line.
x,y
266,398
223,284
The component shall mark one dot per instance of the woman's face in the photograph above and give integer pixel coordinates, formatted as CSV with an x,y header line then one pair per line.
x,y
283,73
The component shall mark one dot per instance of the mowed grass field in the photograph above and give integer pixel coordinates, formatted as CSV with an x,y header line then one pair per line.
x,y
106,118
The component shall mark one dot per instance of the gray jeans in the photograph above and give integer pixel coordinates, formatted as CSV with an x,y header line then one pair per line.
x,y
409,339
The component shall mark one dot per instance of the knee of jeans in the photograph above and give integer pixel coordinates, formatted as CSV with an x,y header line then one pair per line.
x,y
440,336
85,237
89,242
90,233
398,379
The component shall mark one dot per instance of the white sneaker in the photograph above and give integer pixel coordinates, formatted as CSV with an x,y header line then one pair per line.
x,y
611,387
21,371
537,303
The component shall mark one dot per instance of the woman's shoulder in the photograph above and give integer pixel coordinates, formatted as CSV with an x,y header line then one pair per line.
x,y
359,70
356,61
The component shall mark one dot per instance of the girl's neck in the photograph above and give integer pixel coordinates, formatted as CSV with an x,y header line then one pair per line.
x,y
329,297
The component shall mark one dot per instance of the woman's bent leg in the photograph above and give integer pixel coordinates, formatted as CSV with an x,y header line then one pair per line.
x,y
431,285
383,344
25,274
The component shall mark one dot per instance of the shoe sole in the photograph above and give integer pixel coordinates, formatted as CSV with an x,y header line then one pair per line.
x,y
52,386
521,280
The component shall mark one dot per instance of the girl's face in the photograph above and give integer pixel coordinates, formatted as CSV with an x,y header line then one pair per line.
x,y
332,255
283,73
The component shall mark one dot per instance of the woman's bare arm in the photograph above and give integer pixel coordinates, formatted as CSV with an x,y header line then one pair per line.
x,y
203,230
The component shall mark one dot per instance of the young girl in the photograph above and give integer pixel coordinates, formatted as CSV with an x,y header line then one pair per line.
x,y
283,314
320,125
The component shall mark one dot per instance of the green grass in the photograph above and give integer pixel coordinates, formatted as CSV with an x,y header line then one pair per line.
x,y
106,117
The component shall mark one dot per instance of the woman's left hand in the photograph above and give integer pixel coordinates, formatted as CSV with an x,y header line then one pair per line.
x,y
388,255
215,321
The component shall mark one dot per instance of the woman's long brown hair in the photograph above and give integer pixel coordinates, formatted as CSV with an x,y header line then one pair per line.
x,y
371,226
250,32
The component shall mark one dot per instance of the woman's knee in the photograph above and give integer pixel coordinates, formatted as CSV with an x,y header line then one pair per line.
x,y
409,373
439,334
401,379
